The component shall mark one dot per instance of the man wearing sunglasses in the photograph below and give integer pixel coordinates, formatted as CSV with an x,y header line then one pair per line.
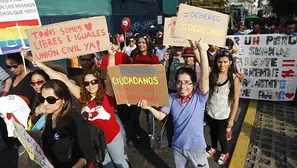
x,y
5,82
128,49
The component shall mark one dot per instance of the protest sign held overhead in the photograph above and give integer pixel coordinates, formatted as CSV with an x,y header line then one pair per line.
x,y
168,39
33,149
194,23
269,64
15,17
65,39
132,83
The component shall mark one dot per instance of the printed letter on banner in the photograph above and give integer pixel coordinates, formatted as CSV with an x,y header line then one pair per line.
x,y
269,66
194,23
67,39
133,83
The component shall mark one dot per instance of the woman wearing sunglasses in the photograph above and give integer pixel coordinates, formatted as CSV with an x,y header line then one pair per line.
x,y
20,86
222,104
38,79
97,99
66,139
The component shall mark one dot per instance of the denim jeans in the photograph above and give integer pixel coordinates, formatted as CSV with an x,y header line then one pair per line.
x,y
135,112
195,157
115,156
123,132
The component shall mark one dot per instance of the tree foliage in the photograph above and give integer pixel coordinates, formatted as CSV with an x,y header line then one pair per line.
x,y
287,8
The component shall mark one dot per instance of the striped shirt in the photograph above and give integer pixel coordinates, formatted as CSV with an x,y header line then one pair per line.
x,y
3,76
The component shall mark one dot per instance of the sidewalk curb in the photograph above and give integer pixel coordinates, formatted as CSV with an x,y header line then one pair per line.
x,y
243,141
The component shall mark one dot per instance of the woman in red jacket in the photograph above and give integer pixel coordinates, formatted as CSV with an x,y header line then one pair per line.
x,y
143,54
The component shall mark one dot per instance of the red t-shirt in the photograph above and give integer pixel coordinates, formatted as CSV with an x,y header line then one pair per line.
x,y
104,116
120,58
145,59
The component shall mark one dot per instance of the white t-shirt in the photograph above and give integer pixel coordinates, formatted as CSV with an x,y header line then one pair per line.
x,y
129,50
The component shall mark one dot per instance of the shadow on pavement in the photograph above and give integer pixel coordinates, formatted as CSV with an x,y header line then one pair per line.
x,y
273,140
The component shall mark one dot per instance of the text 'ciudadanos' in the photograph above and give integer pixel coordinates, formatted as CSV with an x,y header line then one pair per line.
x,y
134,76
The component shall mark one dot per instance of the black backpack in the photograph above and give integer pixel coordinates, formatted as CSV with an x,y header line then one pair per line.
x,y
98,142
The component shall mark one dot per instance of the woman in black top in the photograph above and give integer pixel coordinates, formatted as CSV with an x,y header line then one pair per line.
x,y
21,79
20,86
66,138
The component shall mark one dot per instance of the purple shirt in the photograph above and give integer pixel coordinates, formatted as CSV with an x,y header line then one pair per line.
x,y
187,120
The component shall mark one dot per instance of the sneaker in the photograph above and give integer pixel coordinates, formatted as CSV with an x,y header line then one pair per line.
x,y
229,135
211,152
223,159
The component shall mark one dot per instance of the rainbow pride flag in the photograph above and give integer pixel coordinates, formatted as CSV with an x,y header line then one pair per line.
x,y
13,35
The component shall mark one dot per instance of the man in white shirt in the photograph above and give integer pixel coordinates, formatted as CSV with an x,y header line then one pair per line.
x,y
128,49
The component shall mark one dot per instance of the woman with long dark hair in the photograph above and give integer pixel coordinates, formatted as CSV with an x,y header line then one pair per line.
x,y
223,103
143,54
97,100
38,78
66,138
20,86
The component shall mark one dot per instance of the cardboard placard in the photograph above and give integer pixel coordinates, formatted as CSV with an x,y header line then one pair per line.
x,y
194,23
168,39
15,17
269,66
133,83
33,149
65,39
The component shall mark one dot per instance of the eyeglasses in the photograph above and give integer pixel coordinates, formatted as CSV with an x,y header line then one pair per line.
x,y
93,82
38,83
226,53
50,99
12,66
180,83
131,41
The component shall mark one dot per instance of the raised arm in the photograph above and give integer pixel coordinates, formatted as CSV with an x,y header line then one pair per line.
x,y
111,62
53,66
74,89
204,81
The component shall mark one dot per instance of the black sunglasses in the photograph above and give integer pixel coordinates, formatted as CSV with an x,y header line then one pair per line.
x,y
12,66
50,99
226,53
93,82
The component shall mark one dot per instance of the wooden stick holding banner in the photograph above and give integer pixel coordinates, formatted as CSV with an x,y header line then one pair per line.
x,y
132,83
33,149
65,39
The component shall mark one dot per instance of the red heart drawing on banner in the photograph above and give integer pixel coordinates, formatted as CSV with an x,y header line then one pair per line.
x,y
289,95
88,26
174,22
